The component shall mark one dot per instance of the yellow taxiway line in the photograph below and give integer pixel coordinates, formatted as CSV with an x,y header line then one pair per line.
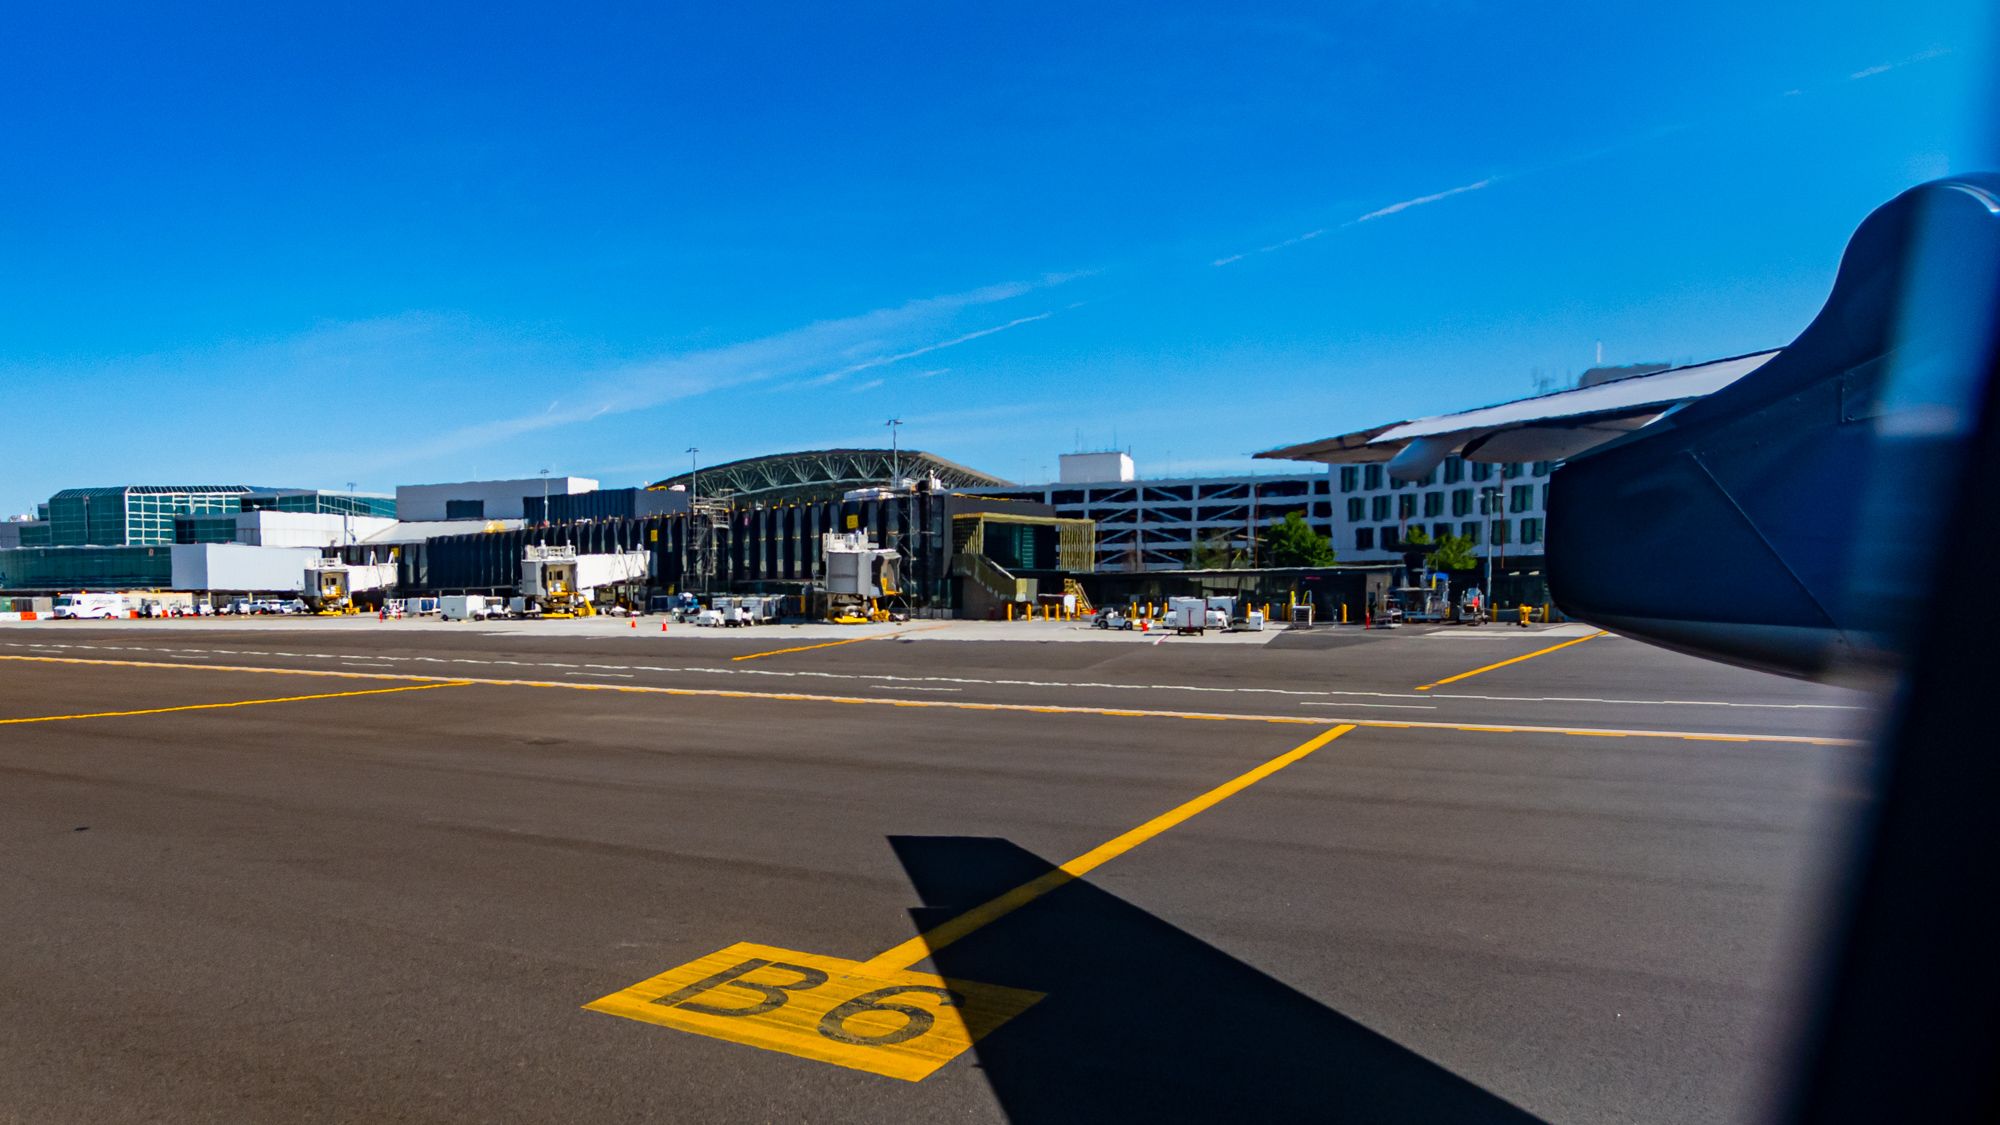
x,y
832,644
1504,663
959,705
236,703
911,952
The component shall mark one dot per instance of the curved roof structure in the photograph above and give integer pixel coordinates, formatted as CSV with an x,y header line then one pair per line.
x,y
824,474
1550,427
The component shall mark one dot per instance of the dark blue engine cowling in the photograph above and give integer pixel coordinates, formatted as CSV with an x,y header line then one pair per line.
x,y
1788,521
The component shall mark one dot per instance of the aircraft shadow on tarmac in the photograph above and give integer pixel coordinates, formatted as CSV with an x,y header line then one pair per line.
x,y
1144,1021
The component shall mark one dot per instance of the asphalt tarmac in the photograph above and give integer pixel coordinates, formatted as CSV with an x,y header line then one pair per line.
x,y
249,875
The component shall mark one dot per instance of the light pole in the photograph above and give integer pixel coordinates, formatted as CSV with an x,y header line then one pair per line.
x,y
347,517
545,498
694,476
1489,505
895,457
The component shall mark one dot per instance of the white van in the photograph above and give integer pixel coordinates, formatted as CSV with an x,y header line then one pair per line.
x,y
84,607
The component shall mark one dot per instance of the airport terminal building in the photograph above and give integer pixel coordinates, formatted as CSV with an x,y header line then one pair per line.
x,y
1160,524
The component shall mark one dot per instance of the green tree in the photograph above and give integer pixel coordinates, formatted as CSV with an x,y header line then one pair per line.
x,y
1215,553
1293,542
1446,552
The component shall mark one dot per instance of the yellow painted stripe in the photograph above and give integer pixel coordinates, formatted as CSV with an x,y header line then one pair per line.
x,y
215,706
1504,663
954,705
923,945
831,644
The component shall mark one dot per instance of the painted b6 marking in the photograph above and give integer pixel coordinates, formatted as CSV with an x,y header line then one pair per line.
x,y
833,1025
890,1022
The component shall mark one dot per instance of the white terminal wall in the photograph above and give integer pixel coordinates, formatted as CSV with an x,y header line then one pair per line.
x,y
239,566
1086,468
502,499
304,529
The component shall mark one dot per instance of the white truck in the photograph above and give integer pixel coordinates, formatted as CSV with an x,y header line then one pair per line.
x,y
88,607
1198,615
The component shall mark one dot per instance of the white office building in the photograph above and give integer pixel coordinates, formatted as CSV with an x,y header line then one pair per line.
x,y
481,499
1159,524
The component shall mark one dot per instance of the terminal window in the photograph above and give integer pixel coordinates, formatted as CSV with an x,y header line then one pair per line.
x,y
1406,506
465,509
1371,477
1357,509
1482,471
1350,476
1531,530
1364,538
1522,498
1470,530
1454,469
1500,536
1378,508
1433,503
1461,502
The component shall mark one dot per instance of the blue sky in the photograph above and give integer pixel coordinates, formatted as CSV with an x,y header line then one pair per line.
x,y
308,245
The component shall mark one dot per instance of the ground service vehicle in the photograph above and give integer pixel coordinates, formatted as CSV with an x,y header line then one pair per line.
x,y
85,607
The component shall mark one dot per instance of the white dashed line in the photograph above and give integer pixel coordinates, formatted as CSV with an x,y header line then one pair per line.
x,y
1305,697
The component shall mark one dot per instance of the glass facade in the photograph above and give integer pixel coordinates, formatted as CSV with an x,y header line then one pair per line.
x,y
205,529
321,503
135,514
86,568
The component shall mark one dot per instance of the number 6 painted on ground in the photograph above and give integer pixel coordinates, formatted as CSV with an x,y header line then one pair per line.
x,y
832,1025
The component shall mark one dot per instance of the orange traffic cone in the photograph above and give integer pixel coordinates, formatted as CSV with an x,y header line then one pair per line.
x,y
635,623
663,626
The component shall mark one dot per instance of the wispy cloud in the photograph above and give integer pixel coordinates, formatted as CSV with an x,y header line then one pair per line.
x,y
1884,68
913,353
1645,136
868,386
652,383
932,373
1419,201
1378,213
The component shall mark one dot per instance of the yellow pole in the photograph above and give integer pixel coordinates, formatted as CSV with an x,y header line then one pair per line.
x,y
1010,611
1343,613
